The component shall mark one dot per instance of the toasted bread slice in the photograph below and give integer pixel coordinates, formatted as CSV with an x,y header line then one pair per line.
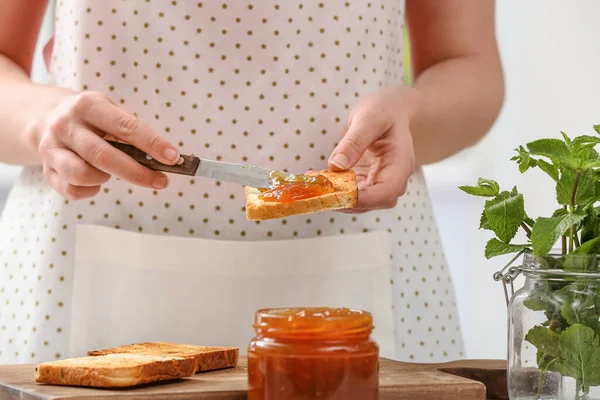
x,y
114,370
205,358
345,196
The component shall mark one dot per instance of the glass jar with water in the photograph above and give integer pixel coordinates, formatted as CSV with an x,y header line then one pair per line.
x,y
554,327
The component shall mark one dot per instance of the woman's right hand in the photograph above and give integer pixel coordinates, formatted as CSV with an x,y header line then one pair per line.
x,y
76,158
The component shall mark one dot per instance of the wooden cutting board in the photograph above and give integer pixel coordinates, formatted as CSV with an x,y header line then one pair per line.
x,y
460,380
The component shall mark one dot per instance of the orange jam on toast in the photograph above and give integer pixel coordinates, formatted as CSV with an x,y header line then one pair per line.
x,y
288,188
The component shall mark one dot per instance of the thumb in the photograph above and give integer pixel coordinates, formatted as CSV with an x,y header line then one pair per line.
x,y
360,136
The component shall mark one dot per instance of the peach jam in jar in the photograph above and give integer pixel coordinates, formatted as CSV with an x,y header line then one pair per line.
x,y
313,353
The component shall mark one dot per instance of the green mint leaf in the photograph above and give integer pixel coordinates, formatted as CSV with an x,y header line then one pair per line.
x,y
582,150
541,298
597,129
580,355
546,231
591,225
547,362
537,304
567,139
590,164
597,228
524,159
589,247
483,222
586,139
553,149
560,212
477,191
586,191
545,340
488,182
548,168
586,188
555,321
494,248
587,156
581,262
504,214
529,221
484,188
564,187
550,262
579,304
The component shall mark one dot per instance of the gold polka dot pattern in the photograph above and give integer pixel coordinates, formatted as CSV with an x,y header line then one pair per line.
x,y
268,83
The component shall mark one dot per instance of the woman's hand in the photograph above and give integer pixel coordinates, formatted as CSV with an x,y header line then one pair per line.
x,y
378,145
76,158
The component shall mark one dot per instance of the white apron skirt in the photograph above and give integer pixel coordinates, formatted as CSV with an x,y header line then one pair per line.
x,y
130,287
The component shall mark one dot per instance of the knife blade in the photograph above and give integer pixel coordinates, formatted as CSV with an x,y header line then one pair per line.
x,y
246,175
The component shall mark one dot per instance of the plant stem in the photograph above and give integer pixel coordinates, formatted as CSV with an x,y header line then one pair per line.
x,y
572,233
576,238
541,380
574,193
571,240
541,384
564,238
526,229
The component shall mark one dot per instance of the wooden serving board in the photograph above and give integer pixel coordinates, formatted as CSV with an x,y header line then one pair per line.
x,y
460,380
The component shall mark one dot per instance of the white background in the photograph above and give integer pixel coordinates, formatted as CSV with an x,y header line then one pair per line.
x,y
551,55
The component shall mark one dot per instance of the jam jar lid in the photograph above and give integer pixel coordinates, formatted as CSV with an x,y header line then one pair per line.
x,y
313,323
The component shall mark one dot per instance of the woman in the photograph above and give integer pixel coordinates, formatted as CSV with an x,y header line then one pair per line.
x,y
287,85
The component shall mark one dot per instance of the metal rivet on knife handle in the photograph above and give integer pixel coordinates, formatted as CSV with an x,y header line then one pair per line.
x,y
187,165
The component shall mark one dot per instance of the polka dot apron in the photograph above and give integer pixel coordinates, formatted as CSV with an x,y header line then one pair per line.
x,y
267,83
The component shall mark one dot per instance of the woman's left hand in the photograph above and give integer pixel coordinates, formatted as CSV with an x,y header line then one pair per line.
x,y
378,145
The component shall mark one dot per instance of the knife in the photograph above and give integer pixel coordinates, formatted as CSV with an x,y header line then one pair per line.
x,y
245,175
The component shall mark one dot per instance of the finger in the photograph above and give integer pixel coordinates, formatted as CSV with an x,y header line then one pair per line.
x,y
352,211
389,184
395,165
365,128
68,191
101,155
73,169
95,109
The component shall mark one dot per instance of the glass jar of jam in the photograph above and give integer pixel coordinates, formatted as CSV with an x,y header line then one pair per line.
x,y
313,353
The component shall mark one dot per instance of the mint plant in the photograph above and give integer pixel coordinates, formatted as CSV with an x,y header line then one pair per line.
x,y
568,342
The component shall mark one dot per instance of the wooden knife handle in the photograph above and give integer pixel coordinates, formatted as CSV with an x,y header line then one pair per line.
x,y
188,167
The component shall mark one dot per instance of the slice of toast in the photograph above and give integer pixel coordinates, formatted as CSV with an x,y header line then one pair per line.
x,y
345,196
205,358
114,370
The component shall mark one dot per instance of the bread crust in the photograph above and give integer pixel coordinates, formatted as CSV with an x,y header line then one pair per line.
x,y
114,370
345,196
206,358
